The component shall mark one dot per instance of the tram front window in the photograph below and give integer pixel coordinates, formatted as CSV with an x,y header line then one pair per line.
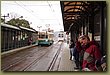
x,y
43,36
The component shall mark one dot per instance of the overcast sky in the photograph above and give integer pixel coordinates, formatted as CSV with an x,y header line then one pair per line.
x,y
38,13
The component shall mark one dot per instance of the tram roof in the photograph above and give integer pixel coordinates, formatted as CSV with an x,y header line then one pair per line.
x,y
10,26
18,28
50,33
32,30
73,12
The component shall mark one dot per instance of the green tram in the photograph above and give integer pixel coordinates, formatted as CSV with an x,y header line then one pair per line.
x,y
45,38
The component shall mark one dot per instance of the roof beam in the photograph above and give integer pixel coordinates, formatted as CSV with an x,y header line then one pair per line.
x,y
72,9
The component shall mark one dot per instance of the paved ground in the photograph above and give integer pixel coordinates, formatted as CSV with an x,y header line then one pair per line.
x,y
65,63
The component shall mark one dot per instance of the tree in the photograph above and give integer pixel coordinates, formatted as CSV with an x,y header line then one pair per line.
x,y
19,22
2,20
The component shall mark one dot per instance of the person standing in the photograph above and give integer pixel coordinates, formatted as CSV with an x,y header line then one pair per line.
x,y
71,49
77,51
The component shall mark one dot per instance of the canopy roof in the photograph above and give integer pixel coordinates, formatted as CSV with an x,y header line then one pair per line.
x,y
75,11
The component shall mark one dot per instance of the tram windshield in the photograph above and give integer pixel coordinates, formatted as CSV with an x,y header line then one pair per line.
x,y
43,36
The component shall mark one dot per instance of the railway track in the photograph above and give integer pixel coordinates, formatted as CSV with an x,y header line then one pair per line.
x,y
49,56
9,66
23,64
54,60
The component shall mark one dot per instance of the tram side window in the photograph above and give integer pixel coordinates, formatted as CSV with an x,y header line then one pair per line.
x,y
2,39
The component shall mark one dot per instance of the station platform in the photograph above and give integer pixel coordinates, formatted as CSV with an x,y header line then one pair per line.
x,y
66,64
16,50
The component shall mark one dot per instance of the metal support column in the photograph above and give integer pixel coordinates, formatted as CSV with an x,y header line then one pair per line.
x,y
102,27
92,25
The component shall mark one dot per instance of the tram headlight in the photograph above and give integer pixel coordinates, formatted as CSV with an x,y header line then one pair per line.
x,y
46,40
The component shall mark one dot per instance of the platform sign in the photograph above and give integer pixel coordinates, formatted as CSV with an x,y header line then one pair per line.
x,y
97,38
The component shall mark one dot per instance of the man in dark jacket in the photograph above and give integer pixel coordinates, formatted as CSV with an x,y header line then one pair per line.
x,y
77,53
92,53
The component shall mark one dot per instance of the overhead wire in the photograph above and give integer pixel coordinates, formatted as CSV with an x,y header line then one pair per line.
x,y
30,5
53,11
25,7
29,10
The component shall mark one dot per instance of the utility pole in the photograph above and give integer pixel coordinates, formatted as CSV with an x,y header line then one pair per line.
x,y
47,25
39,30
5,16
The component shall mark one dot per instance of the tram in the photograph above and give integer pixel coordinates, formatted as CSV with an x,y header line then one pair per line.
x,y
13,37
45,38
61,36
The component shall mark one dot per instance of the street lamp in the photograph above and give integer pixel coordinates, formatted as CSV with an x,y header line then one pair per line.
x,y
39,30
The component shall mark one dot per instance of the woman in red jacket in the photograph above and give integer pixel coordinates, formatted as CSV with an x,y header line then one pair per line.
x,y
92,53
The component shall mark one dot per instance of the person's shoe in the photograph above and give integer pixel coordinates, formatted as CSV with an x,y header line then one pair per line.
x,y
72,58
76,68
